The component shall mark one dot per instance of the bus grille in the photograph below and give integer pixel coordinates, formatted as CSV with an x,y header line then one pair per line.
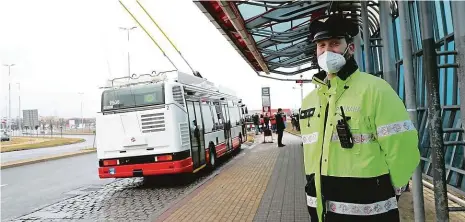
x,y
184,128
154,122
177,95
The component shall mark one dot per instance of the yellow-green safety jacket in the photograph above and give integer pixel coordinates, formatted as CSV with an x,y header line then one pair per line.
x,y
359,181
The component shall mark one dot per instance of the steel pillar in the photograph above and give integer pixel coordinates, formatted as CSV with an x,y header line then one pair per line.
x,y
389,56
458,16
430,68
411,103
366,38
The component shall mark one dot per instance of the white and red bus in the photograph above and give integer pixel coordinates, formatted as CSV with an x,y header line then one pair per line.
x,y
169,123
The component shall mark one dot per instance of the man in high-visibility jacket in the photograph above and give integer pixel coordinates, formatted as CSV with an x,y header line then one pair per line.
x,y
360,147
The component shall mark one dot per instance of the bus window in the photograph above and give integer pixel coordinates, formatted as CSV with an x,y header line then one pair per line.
x,y
241,113
207,118
220,115
134,96
233,116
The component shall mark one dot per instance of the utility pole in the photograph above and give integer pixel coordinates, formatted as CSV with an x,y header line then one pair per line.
x,y
129,61
8,124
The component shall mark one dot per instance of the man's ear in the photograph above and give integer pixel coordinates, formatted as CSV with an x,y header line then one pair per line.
x,y
351,48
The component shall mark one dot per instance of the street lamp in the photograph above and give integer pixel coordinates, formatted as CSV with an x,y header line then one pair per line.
x,y
19,109
128,30
9,95
82,117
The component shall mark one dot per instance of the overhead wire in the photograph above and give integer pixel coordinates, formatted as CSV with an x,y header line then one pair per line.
x,y
150,36
164,34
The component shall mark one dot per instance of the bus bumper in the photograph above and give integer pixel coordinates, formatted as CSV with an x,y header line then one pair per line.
x,y
147,169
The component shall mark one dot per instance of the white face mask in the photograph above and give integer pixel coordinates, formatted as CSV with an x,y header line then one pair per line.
x,y
331,62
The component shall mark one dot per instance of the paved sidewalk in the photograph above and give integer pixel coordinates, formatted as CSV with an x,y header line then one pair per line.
x,y
267,184
284,198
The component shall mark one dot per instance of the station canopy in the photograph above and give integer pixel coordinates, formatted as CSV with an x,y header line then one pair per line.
x,y
273,36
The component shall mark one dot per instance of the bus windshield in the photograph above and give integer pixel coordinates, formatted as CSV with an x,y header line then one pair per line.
x,y
133,96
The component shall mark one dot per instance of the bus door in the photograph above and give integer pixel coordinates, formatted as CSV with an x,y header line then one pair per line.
x,y
196,133
227,128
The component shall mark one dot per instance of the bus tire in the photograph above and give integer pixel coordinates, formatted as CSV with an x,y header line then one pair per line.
x,y
212,160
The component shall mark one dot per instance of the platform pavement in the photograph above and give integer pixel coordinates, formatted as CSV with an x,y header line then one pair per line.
x,y
265,184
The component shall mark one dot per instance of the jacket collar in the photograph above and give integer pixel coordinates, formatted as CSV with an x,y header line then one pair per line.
x,y
337,84
342,76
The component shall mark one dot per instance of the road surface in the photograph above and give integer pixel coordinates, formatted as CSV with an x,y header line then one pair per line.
x,y
69,188
41,152
32,186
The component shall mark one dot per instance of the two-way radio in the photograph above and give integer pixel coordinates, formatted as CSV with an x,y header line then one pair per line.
x,y
343,132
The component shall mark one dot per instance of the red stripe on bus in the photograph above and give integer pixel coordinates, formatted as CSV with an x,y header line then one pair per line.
x,y
220,149
148,169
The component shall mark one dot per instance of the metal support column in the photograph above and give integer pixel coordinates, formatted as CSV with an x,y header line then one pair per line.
x,y
458,16
411,103
389,60
358,53
366,38
434,109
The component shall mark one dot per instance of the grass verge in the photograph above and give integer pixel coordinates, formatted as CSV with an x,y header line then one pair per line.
x,y
26,143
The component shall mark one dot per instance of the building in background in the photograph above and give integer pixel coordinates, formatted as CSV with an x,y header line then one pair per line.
x,y
31,118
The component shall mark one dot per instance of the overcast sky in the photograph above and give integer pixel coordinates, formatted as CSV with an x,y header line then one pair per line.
x,y
63,47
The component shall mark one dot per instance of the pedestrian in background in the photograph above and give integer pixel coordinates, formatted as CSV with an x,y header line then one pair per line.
x,y
280,127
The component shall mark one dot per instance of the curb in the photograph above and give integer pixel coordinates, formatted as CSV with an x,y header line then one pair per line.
x,y
44,159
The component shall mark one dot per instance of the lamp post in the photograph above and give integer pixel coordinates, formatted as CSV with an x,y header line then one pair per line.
x,y
128,29
8,125
82,117
19,109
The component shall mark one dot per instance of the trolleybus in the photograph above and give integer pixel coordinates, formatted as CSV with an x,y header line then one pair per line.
x,y
166,123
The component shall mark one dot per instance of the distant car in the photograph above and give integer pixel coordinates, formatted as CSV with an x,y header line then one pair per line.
x,y
5,136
